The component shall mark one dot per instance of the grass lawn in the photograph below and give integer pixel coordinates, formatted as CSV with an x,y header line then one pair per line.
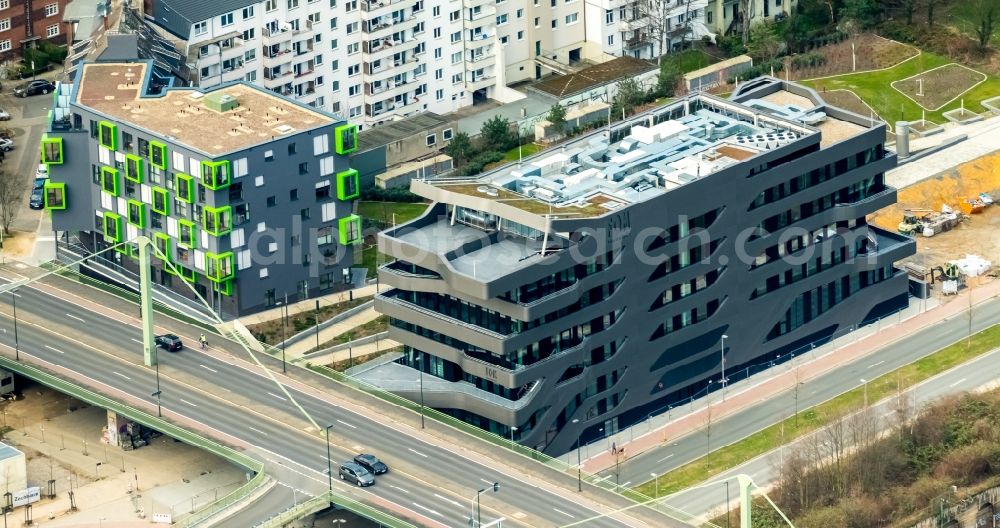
x,y
371,259
383,211
526,150
813,418
691,59
876,90
270,331
375,326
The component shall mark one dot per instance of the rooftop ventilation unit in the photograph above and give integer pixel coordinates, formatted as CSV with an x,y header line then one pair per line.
x,y
220,102
284,129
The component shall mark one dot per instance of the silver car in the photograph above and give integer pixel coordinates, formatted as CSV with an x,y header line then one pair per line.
x,y
354,473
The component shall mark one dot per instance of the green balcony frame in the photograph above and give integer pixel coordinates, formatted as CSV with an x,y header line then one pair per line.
x,y
349,230
137,213
54,194
109,181
134,170
187,234
158,155
224,287
107,134
52,150
348,185
215,175
112,227
187,274
219,267
217,221
161,200
163,243
184,187
345,138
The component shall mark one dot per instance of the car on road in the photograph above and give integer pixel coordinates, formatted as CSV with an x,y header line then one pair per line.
x,y
4,115
42,171
36,87
371,463
37,201
354,473
39,183
6,145
169,342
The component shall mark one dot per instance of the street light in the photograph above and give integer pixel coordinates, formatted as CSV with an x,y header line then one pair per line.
x,y
865,382
17,347
329,464
159,410
722,353
156,363
479,510
284,321
656,479
579,479
420,357
513,428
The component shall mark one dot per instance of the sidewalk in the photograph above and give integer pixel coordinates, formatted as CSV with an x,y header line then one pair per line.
x,y
296,350
307,305
358,353
788,374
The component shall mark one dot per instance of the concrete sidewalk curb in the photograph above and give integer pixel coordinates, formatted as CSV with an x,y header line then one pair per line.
x,y
309,332
225,513
344,346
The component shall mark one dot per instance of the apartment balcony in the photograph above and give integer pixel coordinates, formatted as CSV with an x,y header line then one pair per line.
x,y
386,48
477,60
633,24
389,88
487,10
474,3
272,59
379,7
478,37
391,108
638,42
285,32
389,68
387,26
479,82
273,80
305,74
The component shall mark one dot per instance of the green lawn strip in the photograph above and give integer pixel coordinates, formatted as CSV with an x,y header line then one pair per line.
x,y
383,211
691,59
372,259
375,326
875,88
820,415
527,149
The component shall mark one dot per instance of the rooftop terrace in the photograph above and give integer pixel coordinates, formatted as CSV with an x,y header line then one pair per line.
x,y
691,139
216,122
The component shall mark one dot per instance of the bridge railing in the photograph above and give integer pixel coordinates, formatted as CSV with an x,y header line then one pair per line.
x,y
320,502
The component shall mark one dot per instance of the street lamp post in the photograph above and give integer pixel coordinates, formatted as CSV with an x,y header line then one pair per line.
x,y
420,369
579,477
17,346
158,392
329,463
865,384
722,353
513,429
479,510
656,479
284,321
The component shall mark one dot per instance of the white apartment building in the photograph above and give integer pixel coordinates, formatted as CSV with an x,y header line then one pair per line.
x,y
374,61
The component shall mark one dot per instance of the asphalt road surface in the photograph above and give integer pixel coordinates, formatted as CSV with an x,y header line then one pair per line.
x,y
737,426
432,484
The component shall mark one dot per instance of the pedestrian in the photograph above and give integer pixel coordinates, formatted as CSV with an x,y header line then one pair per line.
x,y
204,342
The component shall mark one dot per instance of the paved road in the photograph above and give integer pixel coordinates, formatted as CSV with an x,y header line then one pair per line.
x,y
430,483
765,413
764,469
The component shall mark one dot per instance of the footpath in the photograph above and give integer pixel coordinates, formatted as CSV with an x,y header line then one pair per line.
x,y
744,394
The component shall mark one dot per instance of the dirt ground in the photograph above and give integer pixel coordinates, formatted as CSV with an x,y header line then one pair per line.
x,y
872,53
18,245
978,235
936,88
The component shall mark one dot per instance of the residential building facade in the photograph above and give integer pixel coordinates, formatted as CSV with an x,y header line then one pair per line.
x,y
568,296
247,195
26,22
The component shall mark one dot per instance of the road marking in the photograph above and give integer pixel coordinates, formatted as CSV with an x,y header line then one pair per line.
x,y
446,499
71,316
400,489
876,364
957,382
425,508
61,352
347,424
276,396
187,402
210,369
137,341
664,458
252,428
490,482
119,374
626,484
564,513
414,451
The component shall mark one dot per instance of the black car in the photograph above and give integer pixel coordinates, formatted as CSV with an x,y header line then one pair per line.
x,y
37,201
39,86
372,464
39,183
169,342
356,474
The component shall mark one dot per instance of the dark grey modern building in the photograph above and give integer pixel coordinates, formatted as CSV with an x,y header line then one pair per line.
x,y
574,294
247,195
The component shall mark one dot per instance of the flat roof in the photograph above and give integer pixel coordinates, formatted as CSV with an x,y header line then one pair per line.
x,y
591,176
6,451
370,138
593,76
181,115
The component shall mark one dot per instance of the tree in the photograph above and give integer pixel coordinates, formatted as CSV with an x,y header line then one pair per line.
x,y
656,17
628,95
460,147
986,10
667,79
862,13
931,4
11,193
764,42
907,7
746,11
557,116
496,135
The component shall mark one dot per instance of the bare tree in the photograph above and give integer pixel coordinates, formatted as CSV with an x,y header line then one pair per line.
x,y
657,20
986,12
11,193
746,10
931,4
907,7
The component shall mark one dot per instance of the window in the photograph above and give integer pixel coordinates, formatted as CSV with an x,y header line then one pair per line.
x,y
520,35
4,24
348,185
572,18
293,195
323,190
439,93
431,140
447,134
354,90
537,21
292,148
272,201
226,20
247,12
437,53
51,10
349,229
456,57
456,36
504,39
353,70
249,34
502,19
454,15
4,4
436,11
250,55
520,13
304,213
200,28
292,4
456,78
304,167
353,27
554,23
353,48
52,30
609,16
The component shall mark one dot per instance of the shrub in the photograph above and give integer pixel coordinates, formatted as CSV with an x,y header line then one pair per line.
x,y
808,60
376,194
